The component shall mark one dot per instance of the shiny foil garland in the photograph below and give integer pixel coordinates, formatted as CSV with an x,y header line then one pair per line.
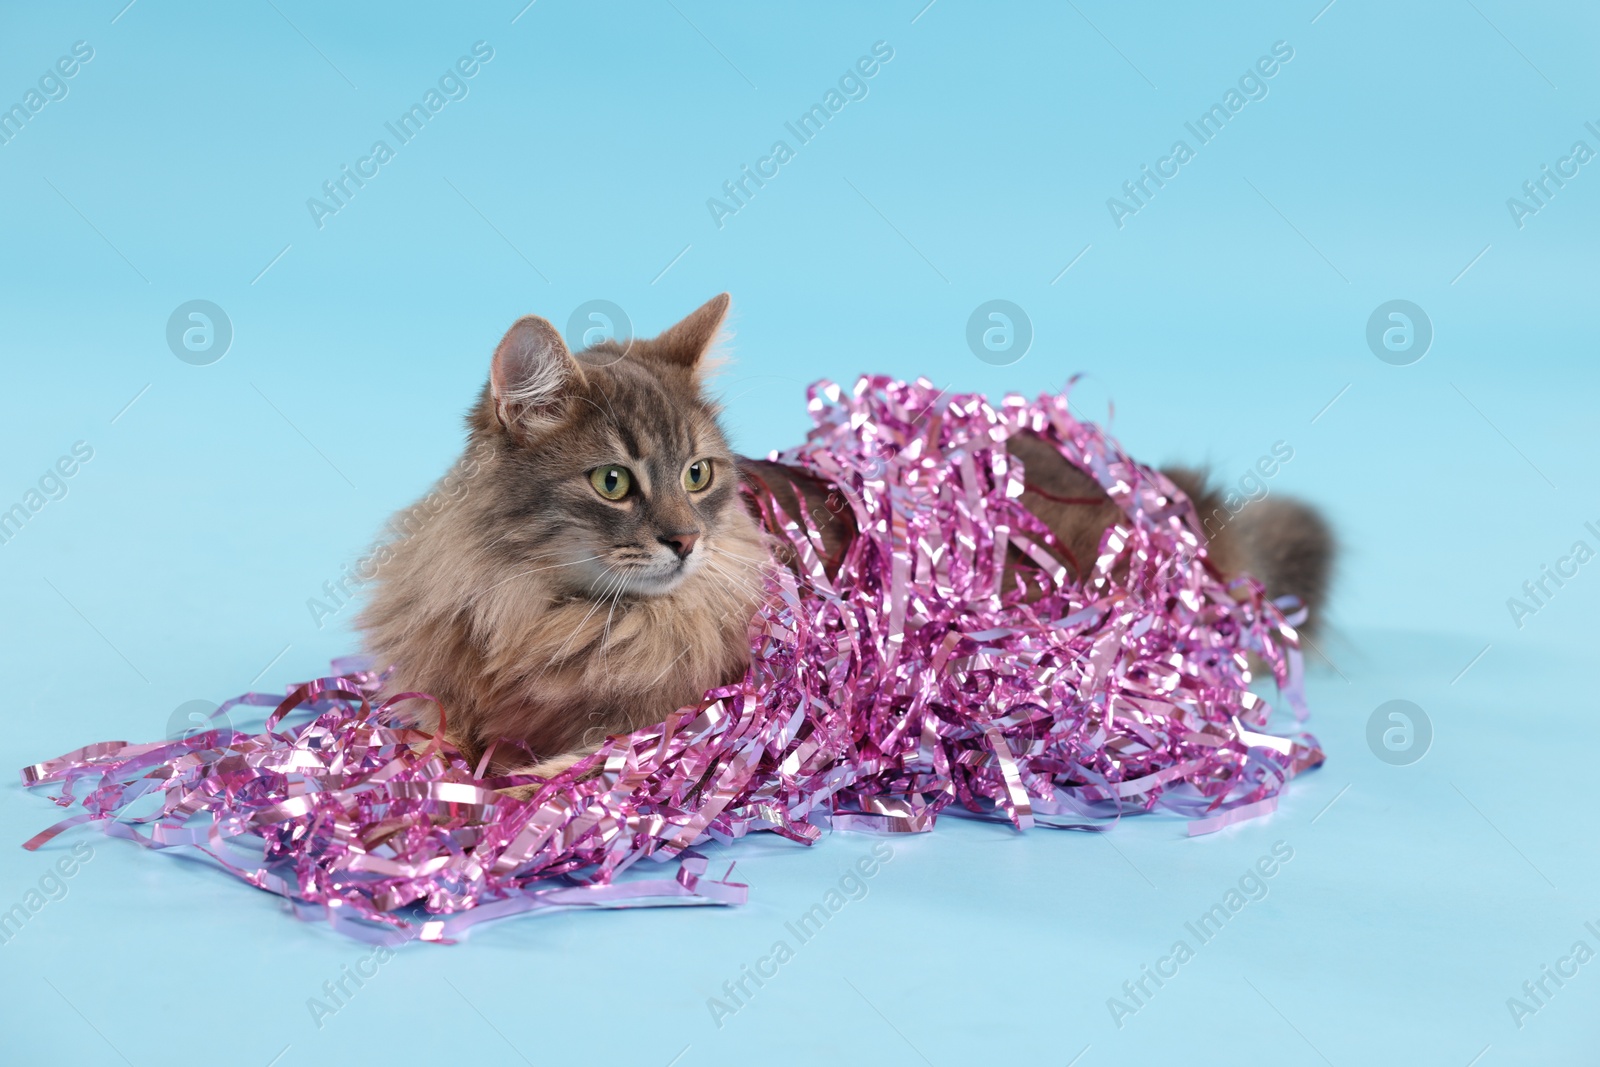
x,y
913,680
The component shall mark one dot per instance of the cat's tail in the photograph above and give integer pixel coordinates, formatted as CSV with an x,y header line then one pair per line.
x,y
1284,543
1289,546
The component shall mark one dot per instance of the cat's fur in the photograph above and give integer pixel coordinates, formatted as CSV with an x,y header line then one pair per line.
x,y
539,612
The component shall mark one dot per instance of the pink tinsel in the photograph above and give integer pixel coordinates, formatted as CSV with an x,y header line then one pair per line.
x,y
911,681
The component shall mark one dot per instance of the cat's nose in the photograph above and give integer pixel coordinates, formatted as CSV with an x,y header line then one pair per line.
x,y
681,543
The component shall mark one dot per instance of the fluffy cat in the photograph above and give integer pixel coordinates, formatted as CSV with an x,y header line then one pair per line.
x,y
596,568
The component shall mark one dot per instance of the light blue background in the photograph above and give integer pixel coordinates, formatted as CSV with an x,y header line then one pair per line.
x,y
1223,317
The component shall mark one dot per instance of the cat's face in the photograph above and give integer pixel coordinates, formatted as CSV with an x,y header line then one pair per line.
x,y
611,476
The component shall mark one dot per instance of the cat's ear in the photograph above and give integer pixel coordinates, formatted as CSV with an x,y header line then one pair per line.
x,y
687,343
533,376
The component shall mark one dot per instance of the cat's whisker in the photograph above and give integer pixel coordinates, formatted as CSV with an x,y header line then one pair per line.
x,y
559,655
616,602
533,570
713,566
576,630
612,416
734,582
616,599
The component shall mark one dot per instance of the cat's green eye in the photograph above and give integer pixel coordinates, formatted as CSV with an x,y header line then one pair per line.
x,y
697,475
611,481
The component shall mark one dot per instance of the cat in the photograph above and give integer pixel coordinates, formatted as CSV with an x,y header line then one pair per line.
x,y
596,566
